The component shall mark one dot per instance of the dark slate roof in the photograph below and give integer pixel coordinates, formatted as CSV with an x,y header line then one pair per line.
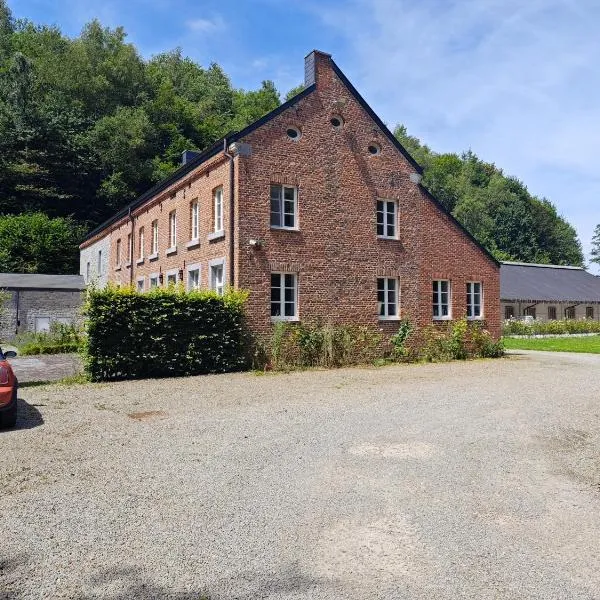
x,y
41,282
547,283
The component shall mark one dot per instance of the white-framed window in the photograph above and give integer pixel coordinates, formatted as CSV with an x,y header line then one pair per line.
x,y
141,243
193,282
194,220
119,252
441,299
284,296
387,216
99,262
218,209
284,206
140,285
474,300
173,229
155,236
129,248
387,297
153,281
217,277
87,272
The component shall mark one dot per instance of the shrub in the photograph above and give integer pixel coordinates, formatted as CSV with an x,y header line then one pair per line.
x,y
301,345
398,340
565,326
60,339
165,332
459,340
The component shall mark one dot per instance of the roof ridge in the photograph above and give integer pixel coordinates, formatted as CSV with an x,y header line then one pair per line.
x,y
544,266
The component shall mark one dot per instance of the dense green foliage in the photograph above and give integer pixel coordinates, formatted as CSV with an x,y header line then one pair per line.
x,y
60,339
163,333
497,209
87,124
34,243
589,344
557,327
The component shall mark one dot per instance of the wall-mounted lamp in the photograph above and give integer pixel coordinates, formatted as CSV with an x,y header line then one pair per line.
x,y
180,274
160,278
257,243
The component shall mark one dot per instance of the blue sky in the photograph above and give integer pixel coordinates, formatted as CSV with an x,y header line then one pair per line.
x,y
516,81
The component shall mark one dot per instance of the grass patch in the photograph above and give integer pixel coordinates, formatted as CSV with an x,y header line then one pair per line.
x,y
589,344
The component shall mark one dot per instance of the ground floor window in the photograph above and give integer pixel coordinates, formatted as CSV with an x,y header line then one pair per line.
x,y
509,312
441,299
570,312
387,297
153,281
284,296
140,285
589,312
474,300
216,278
529,311
194,278
171,279
552,313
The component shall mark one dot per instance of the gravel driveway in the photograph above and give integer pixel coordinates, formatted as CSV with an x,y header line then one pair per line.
x,y
465,480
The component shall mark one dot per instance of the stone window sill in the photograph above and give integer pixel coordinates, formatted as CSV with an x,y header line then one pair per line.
x,y
192,244
171,251
118,268
216,235
139,261
153,256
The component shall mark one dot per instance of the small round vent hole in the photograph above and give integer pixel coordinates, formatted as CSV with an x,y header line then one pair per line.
x,y
293,133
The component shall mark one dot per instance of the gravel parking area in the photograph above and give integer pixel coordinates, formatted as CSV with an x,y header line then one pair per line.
x,y
465,480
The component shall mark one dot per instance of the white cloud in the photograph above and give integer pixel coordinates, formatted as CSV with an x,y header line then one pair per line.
x,y
202,25
515,81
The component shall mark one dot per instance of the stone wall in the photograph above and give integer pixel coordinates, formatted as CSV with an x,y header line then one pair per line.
x,y
35,306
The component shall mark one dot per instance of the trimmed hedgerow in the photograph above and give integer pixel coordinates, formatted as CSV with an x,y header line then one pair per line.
x,y
163,333
564,326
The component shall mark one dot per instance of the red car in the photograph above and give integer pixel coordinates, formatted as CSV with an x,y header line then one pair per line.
x,y
8,391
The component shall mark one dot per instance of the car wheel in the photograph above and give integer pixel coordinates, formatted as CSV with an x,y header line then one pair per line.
x,y
9,419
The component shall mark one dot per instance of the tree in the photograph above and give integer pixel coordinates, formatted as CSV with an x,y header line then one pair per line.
x,y
595,253
34,243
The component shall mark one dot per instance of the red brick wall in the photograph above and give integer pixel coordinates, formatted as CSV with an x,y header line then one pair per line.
x,y
200,185
336,252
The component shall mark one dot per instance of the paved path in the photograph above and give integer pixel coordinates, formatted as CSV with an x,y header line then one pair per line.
x,y
467,480
45,367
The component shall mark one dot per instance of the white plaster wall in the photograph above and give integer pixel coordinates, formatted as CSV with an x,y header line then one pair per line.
x,y
90,254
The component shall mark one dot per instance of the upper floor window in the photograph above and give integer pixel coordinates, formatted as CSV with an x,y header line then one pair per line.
x,y
474,300
87,272
119,252
284,296
155,236
99,262
129,248
218,210
172,229
284,206
386,218
441,299
387,297
194,230
141,243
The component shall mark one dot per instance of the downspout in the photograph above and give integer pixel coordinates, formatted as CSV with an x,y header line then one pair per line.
x,y
17,315
130,249
231,212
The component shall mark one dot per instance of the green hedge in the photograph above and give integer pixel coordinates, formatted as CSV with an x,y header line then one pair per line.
x,y
551,327
163,333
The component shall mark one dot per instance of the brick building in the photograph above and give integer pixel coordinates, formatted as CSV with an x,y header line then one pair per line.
x,y
317,210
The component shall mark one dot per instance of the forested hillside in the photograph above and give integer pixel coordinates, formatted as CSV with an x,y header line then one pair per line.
x,y
87,124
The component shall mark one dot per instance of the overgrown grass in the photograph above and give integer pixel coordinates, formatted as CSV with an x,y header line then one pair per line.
x,y
589,344
60,339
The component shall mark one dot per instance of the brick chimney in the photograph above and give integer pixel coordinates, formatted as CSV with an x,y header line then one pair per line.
x,y
314,64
